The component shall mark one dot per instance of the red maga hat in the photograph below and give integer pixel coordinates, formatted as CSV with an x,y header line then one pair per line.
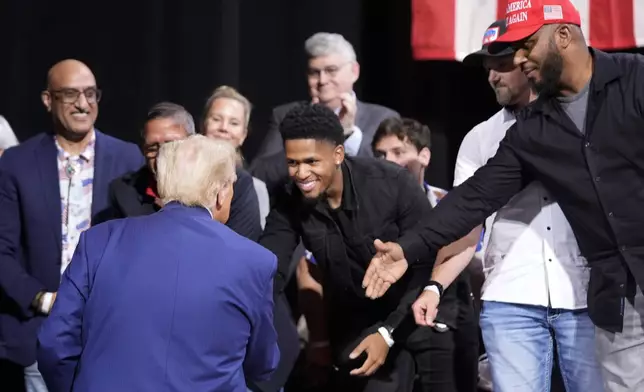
x,y
524,17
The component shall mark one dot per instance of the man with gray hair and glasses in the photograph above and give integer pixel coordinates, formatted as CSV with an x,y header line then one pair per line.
x,y
332,71
171,301
136,193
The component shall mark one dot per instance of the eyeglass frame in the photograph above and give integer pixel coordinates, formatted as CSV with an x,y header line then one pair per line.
x,y
331,70
57,95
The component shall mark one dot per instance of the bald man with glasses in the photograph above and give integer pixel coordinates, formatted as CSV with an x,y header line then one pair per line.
x,y
52,187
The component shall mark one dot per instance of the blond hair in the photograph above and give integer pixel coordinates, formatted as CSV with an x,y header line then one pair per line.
x,y
230,93
193,171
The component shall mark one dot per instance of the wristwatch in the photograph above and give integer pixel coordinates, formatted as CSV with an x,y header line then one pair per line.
x,y
386,331
435,287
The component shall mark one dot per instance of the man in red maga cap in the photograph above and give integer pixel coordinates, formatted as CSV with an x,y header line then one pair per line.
x,y
582,139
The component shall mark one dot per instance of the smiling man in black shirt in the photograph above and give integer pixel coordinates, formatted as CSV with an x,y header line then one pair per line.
x,y
584,140
338,206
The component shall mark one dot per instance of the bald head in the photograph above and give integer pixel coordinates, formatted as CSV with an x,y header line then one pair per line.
x,y
72,98
61,72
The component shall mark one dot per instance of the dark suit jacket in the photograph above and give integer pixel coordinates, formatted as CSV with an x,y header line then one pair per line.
x,y
170,301
368,118
128,198
30,229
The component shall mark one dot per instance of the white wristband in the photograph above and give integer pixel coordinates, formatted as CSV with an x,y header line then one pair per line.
x,y
386,335
46,303
433,288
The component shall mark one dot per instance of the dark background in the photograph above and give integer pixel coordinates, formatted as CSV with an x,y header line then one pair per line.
x,y
145,51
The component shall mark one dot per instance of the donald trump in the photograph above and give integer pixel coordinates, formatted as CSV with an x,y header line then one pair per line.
x,y
172,301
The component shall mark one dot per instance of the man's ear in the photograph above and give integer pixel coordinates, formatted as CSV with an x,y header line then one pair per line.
x,y
338,154
564,35
424,156
45,96
355,69
221,197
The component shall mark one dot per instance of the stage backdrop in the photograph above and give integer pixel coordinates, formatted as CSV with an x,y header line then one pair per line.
x,y
146,51
451,29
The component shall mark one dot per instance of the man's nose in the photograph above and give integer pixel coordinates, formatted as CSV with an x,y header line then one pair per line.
x,y
492,76
519,57
302,172
81,102
324,77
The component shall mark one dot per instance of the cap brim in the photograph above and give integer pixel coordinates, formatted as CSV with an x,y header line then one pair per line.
x,y
506,40
476,58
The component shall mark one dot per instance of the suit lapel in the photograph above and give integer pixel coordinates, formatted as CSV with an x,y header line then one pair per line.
x,y
103,161
46,157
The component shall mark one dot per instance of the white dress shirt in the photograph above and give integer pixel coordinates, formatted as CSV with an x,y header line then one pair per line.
x,y
531,255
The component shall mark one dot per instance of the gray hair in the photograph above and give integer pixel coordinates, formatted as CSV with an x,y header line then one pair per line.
x,y
172,111
325,44
195,170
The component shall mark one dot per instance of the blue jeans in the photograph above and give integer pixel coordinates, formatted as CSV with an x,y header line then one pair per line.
x,y
33,379
520,339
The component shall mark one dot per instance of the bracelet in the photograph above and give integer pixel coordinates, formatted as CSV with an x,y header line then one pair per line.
x,y
320,344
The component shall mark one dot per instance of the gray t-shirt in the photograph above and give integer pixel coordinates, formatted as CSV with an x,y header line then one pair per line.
x,y
575,107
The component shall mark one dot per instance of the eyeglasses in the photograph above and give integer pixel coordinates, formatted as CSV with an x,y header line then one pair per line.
x,y
71,95
331,71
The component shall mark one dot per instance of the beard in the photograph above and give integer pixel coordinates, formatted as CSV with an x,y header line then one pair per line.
x,y
504,95
550,72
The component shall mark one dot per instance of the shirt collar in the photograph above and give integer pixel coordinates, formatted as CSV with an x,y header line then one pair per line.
x,y
508,115
87,154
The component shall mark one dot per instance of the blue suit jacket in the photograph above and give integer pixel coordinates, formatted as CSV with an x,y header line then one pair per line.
x,y
30,229
172,301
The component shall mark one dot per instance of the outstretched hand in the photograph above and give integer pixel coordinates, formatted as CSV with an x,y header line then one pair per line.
x,y
386,268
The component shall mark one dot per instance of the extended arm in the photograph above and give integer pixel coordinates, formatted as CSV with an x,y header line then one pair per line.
x,y
469,204
465,207
455,257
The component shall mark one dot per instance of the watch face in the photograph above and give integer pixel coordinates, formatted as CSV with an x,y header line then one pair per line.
x,y
440,327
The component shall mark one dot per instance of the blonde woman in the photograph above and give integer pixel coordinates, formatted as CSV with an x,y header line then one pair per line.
x,y
226,116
